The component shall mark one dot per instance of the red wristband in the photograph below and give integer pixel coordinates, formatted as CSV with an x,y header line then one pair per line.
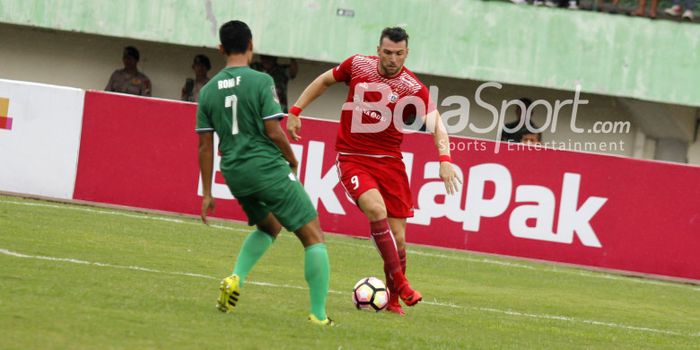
x,y
445,158
295,110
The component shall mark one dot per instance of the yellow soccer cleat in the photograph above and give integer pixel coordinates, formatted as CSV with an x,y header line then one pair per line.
x,y
327,322
230,292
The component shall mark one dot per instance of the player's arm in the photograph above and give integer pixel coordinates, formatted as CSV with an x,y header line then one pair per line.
x,y
311,93
442,143
206,166
274,131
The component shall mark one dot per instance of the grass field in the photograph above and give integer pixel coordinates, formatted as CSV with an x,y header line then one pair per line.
x,y
80,277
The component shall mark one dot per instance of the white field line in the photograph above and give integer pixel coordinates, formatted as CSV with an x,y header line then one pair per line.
x,y
434,303
119,213
139,268
552,269
444,256
560,318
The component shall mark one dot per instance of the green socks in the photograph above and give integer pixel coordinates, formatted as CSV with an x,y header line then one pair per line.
x,y
317,272
254,246
317,269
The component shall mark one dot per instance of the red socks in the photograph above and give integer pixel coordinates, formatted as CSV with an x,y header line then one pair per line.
x,y
402,260
394,267
384,240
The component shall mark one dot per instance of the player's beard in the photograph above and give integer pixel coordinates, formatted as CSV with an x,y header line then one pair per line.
x,y
390,71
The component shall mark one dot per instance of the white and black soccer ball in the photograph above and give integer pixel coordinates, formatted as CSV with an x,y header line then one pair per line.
x,y
370,293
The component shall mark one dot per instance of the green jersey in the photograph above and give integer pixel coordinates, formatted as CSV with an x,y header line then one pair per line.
x,y
234,104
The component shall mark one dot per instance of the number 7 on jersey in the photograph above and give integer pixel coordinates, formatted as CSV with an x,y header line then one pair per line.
x,y
232,101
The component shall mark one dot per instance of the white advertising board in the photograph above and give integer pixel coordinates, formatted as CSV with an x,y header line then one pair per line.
x,y
40,128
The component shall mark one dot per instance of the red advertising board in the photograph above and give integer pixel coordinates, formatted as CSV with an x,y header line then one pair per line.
x,y
578,208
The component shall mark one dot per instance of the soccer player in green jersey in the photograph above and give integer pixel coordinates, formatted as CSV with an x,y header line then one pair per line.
x,y
240,105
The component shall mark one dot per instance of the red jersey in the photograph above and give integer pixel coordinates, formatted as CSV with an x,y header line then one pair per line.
x,y
361,69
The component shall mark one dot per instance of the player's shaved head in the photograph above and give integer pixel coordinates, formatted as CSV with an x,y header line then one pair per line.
x,y
235,37
395,34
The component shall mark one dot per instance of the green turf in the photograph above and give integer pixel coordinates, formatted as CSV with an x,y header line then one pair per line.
x,y
103,298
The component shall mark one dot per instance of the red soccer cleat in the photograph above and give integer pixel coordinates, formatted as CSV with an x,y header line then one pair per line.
x,y
408,295
394,305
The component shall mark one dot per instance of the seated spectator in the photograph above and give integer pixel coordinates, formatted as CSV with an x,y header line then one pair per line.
x,y
201,66
516,133
677,10
129,80
280,73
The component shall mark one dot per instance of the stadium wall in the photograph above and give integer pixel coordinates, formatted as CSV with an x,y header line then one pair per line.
x,y
577,208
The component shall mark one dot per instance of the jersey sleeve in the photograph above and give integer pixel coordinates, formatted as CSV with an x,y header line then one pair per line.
x,y
269,102
204,123
424,94
343,71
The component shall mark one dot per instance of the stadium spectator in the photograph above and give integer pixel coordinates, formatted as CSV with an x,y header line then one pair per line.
x,y
260,169
641,9
280,73
531,138
129,80
677,10
514,131
201,67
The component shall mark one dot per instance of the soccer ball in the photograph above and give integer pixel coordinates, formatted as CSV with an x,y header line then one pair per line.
x,y
370,293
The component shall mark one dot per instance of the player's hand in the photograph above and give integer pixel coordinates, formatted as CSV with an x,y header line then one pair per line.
x,y
208,206
293,126
449,177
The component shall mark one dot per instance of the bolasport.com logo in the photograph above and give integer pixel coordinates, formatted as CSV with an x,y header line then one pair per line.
x,y
377,116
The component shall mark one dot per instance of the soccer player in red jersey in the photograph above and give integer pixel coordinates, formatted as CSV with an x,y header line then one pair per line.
x,y
369,147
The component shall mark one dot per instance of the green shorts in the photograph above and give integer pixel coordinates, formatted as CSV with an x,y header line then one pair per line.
x,y
286,200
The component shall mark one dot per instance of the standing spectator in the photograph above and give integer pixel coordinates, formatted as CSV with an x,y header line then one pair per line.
x,y
280,73
201,67
641,10
129,80
677,10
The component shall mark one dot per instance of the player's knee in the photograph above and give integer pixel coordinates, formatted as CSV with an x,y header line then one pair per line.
x,y
272,229
310,234
375,211
316,237
273,233
400,244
